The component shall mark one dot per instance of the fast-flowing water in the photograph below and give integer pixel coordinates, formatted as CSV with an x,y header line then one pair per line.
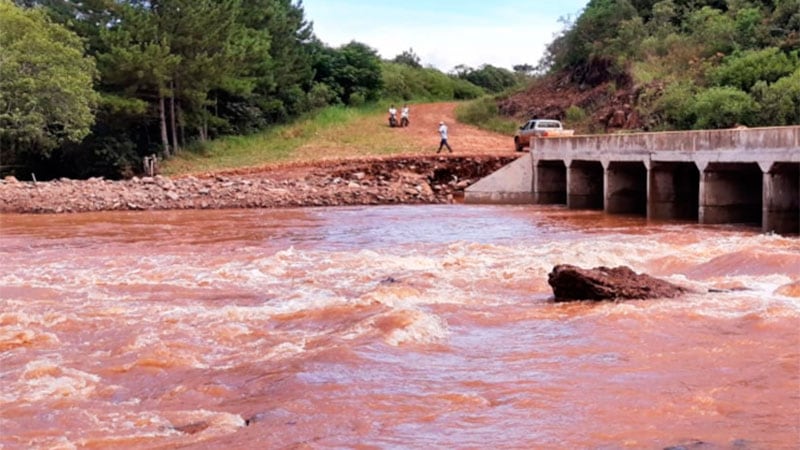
x,y
390,327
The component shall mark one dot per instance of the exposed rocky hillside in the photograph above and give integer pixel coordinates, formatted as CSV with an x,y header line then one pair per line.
x,y
608,107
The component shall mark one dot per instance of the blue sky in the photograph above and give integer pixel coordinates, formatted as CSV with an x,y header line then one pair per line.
x,y
445,33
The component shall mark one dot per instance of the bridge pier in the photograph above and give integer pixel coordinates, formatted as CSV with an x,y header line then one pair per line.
x,y
625,187
585,180
781,198
730,193
673,191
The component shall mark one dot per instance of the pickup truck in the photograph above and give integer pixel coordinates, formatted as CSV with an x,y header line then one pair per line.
x,y
539,128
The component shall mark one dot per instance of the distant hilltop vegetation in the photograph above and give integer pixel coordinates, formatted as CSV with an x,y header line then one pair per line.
x,y
669,65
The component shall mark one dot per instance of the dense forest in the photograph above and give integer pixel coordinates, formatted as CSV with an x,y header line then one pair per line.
x,y
88,88
671,64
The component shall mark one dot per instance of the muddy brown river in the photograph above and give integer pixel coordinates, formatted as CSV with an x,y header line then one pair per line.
x,y
390,327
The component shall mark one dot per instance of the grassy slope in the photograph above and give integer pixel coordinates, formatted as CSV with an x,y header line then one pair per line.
x,y
334,132
483,114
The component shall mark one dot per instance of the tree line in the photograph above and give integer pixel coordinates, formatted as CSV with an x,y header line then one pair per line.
x,y
88,88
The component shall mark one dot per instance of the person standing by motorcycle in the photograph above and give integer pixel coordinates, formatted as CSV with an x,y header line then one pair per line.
x,y
404,116
392,116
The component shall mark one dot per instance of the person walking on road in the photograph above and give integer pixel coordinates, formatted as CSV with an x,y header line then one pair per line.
x,y
443,134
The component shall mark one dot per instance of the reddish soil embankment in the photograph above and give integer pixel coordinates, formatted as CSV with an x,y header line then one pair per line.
x,y
414,178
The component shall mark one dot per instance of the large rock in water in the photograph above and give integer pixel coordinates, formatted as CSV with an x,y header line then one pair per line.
x,y
603,283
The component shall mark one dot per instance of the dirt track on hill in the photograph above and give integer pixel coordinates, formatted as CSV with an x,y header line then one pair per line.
x,y
417,176
422,138
465,139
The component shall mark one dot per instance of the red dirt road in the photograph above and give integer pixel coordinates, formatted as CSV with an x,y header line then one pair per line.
x,y
465,139
420,139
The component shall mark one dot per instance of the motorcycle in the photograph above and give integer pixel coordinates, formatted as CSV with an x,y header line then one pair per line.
x,y
404,122
392,120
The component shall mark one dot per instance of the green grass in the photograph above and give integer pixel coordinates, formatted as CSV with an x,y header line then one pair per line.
x,y
483,114
280,143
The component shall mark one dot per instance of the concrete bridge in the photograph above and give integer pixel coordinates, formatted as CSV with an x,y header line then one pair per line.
x,y
747,176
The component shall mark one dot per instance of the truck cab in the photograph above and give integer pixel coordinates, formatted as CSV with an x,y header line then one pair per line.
x,y
538,128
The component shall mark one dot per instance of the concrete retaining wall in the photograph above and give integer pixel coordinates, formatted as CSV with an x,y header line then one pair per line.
x,y
509,185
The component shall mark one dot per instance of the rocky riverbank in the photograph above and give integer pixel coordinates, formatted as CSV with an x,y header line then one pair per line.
x,y
395,180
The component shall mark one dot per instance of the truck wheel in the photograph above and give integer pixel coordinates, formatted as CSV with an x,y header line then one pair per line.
x,y
517,145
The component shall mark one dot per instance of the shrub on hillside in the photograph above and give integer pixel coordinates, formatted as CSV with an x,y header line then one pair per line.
x,y
780,101
743,70
484,113
403,82
714,30
321,95
489,77
723,107
674,109
464,90
748,24
575,114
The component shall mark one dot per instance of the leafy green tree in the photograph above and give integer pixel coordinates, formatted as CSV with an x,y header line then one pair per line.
x,y
627,43
783,25
523,69
46,94
183,55
461,71
86,18
403,83
723,107
409,58
286,72
714,30
139,64
674,49
201,33
779,101
749,30
664,18
582,45
744,69
491,78
674,109
353,71
321,95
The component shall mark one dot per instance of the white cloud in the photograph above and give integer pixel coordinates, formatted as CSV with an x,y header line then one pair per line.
x,y
502,36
